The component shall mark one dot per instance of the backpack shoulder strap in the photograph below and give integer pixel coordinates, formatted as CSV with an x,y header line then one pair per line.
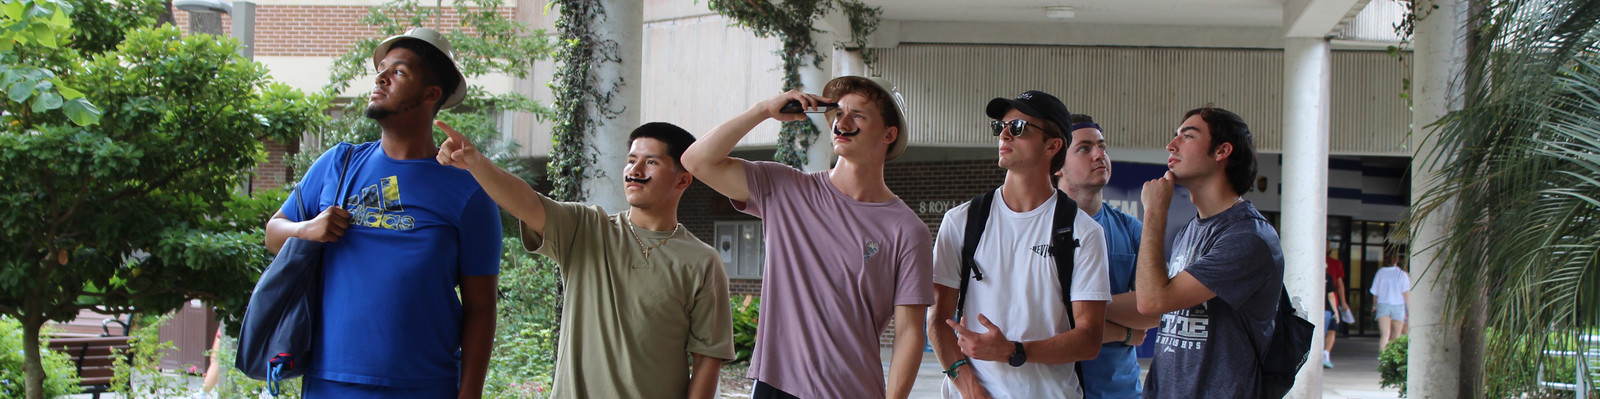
x,y
977,218
1064,249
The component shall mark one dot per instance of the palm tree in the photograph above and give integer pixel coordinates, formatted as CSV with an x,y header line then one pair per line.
x,y
1519,187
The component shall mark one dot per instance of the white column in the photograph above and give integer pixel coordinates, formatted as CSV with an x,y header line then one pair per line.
x,y
819,155
623,23
244,27
1434,362
848,62
1306,83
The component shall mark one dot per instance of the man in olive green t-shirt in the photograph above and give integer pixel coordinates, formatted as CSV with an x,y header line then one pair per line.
x,y
642,295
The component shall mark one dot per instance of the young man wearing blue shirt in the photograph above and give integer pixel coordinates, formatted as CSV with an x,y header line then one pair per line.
x,y
406,232
1115,372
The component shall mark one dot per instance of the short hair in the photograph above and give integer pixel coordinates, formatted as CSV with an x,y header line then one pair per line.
x,y
863,87
441,71
676,139
1228,127
1050,128
1079,119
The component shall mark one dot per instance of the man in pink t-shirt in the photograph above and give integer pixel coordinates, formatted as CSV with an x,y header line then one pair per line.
x,y
844,254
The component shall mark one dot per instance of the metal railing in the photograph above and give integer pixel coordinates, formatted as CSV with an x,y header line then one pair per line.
x,y
1586,367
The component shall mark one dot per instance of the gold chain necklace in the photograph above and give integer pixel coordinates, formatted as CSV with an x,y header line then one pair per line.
x,y
647,249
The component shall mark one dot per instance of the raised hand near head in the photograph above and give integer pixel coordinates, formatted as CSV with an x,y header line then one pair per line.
x,y
457,151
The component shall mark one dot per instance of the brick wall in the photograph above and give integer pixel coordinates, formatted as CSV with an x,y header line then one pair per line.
x,y
317,31
929,188
274,172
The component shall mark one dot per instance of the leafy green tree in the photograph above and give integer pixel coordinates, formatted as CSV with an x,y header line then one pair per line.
x,y
128,200
494,45
1519,189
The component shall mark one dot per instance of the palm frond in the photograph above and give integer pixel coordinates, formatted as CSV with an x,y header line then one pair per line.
x,y
1518,186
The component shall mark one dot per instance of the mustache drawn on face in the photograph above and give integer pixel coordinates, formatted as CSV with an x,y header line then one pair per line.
x,y
836,132
628,179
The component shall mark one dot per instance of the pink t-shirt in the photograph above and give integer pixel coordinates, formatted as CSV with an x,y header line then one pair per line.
x,y
835,269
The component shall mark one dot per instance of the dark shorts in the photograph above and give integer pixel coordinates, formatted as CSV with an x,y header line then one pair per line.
x,y
764,391
1330,319
319,388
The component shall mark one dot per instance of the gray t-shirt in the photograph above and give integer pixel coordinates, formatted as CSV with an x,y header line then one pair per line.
x,y
1206,351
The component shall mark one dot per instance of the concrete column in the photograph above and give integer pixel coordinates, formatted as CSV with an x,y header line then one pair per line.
x,y
1307,75
1439,52
848,62
623,23
819,155
244,27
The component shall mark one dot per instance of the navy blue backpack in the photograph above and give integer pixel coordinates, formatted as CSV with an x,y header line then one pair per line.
x,y
280,319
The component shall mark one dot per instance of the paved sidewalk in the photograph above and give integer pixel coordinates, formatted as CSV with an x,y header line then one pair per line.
x,y
1354,376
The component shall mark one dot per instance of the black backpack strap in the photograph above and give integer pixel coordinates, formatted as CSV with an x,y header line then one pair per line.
x,y
344,172
977,218
1064,249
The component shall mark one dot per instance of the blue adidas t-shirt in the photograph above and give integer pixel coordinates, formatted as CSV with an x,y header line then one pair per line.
x,y
390,313
1115,372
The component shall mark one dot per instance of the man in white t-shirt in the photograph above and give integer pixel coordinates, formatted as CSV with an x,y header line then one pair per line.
x,y
1017,339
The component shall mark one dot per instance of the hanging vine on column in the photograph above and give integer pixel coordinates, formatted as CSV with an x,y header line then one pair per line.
x,y
578,96
791,22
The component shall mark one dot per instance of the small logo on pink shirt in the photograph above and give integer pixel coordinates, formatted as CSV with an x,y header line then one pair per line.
x,y
872,249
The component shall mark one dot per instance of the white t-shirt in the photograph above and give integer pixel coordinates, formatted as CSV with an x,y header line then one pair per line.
x,y
1387,285
1020,292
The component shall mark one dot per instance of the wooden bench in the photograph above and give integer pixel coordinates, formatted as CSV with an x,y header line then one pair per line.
x,y
93,357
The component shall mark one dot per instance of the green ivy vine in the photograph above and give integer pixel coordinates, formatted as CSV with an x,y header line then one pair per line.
x,y
577,93
791,22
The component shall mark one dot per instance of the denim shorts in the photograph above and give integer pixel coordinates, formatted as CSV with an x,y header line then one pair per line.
x,y
1330,320
1394,312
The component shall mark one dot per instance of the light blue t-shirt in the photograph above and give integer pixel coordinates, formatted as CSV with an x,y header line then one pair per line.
x,y
390,313
1115,372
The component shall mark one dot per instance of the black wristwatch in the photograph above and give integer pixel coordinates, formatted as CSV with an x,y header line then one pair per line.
x,y
1018,357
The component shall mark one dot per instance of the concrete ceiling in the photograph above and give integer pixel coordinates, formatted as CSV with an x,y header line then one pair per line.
x,y
1118,12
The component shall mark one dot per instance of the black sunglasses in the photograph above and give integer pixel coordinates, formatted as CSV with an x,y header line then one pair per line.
x,y
1017,127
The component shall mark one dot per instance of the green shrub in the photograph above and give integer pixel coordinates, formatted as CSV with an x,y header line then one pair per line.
x,y
1392,364
746,311
61,377
524,357
142,363
234,384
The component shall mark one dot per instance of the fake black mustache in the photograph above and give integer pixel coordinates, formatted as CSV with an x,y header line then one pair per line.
x,y
836,132
626,179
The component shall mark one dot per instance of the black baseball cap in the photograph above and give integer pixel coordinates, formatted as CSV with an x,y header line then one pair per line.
x,y
1034,103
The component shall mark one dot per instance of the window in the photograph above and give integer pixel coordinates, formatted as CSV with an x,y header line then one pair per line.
x,y
742,247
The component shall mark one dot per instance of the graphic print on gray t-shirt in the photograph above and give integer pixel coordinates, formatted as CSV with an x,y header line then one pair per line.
x,y
1205,351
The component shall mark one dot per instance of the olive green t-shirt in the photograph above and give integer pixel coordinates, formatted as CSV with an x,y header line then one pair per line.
x,y
629,324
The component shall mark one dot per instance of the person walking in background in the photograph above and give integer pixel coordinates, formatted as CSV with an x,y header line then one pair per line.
x,y
1391,287
1338,308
